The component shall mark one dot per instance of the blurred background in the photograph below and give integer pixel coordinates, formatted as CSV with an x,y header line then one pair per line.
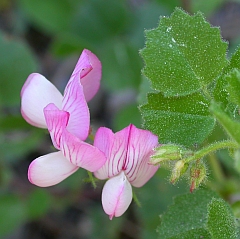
x,y
47,36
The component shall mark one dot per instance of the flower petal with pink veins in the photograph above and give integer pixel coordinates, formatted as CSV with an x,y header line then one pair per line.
x,y
140,147
75,104
90,69
104,140
114,146
116,195
37,92
81,154
50,169
56,122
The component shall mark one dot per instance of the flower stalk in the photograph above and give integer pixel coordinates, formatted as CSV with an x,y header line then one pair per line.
x,y
212,148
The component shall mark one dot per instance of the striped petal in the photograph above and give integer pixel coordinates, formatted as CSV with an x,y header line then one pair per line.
x,y
75,104
116,196
129,150
80,153
37,92
90,69
114,146
50,169
56,122
140,147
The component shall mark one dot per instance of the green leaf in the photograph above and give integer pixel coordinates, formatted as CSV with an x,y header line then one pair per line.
x,y
187,217
16,63
221,223
182,120
183,54
235,61
231,126
152,206
233,80
220,93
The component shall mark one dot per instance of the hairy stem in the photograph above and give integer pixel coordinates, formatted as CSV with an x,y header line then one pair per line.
x,y
211,148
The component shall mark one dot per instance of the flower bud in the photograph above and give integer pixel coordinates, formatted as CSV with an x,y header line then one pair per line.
x,y
198,173
179,169
167,152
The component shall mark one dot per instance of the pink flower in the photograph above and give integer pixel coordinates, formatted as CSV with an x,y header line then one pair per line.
x,y
128,152
67,118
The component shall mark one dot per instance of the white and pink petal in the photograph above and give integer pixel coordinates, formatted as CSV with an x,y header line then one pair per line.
x,y
140,147
50,169
144,172
81,153
37,92
114,146
57,121
104,140
75,104
82,63
90,69
116,195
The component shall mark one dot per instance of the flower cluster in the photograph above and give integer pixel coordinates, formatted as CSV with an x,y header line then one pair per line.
x,y
122,158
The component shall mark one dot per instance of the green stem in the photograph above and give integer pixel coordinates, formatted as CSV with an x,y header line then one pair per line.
x,y
211,148
91,137
135,198
91,178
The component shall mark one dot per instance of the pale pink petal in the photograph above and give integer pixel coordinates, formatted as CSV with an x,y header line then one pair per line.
x,y
80,153
114,146
116,195
140,147
37,92
144,173
104,140
56,121
74,102
83,65
50,169
90,69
